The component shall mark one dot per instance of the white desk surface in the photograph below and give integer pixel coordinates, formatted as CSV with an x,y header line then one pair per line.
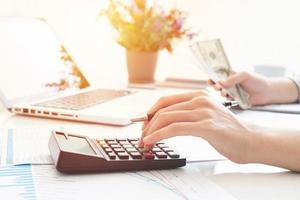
x,y
249,181
95,52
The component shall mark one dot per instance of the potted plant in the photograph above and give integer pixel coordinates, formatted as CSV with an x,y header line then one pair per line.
x,y
144,29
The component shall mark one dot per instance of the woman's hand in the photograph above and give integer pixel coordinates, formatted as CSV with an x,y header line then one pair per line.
x,y
170,100
200,116
262,91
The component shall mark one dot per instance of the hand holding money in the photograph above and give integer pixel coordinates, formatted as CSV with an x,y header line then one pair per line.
x,y
213,61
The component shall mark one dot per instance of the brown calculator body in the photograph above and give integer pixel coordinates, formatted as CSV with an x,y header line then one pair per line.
x,y
79,154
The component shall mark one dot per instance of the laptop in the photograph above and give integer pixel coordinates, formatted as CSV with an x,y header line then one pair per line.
x,y
39,78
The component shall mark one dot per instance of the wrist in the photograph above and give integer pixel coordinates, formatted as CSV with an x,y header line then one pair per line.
x,y
255,140
281,91
248,152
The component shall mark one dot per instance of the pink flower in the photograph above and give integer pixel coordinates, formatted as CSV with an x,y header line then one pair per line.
x,y
152,25
178,24
191,36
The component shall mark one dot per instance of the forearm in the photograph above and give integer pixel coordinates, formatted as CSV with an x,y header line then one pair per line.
x,y
283,91
277,147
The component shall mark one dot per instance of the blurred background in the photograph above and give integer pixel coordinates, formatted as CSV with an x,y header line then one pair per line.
x,y
254,32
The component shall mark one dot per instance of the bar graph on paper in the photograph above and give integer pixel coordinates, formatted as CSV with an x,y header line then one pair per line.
x,y
6,147
16,182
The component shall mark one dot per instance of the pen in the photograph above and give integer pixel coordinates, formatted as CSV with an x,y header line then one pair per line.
x,y
230,104
148,117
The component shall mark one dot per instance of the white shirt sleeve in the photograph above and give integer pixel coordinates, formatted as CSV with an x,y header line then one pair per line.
x,y
296,80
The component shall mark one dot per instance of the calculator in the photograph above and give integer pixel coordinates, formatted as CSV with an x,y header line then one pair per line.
x,y
74,153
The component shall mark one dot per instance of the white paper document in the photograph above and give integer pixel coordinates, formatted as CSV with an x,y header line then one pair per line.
x,y
182,184
25,146
195,149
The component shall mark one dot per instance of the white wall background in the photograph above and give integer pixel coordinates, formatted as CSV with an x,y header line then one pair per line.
x,y
254,32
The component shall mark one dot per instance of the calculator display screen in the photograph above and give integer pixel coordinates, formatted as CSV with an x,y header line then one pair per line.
x,y
80,145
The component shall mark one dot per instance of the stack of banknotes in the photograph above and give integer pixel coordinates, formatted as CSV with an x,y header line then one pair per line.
x,y
213,61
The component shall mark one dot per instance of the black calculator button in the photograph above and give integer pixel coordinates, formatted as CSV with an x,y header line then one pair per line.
x,y
156,149
172,154
112,142
123,155
131,149
111,155
121,140
148,155
134,142
125,143
127,146
115,146
136,155
107,149
161,154
162,145
119,150
133,152
167,149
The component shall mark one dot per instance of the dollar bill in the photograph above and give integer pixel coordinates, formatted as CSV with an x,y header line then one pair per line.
x,y
213,61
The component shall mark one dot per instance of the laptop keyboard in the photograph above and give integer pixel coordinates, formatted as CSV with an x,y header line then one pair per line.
x,y
84,100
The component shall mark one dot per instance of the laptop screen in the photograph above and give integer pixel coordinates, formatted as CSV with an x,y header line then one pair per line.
x,y
33,61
